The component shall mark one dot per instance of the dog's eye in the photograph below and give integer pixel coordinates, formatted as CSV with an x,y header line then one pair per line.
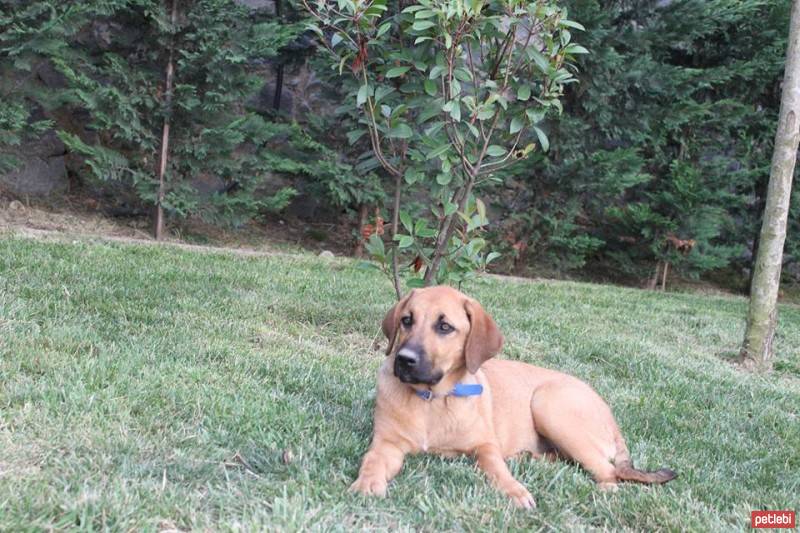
x,y
406,321
444,327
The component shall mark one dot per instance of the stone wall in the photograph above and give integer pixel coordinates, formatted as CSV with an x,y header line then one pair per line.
x,y
42,168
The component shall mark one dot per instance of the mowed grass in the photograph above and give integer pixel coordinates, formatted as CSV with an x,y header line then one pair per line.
x,y
148,388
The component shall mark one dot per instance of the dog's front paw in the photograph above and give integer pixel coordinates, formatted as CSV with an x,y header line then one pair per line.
x,y
521,497
369,486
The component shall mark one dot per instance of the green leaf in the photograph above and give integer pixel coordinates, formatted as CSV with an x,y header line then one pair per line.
x,y
336,39
415,283
422,25
516,125
412,175
367,265
396,72
439,150
444,178
433,129
382,91
405,241
455,111
524,92
384,28
430,87
576,49
527,150
375,246
436,72
449,208
405,218
476,244
475,223
486,113
361,97
401,131
315,29
353,136
462,74
428,113
535,115
374,11
481,209
399,110
540,60
496,151
476,5
572,24
542,138
424,14
421,229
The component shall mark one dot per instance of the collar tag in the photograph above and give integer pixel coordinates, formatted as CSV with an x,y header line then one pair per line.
x,y
426,395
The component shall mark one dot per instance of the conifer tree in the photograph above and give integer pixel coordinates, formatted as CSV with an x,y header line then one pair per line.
x,y
112,57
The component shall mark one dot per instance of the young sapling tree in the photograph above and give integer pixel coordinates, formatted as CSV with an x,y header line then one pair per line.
x,y
448,93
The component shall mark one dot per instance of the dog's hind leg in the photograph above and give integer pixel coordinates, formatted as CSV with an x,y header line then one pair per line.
x,y
579,423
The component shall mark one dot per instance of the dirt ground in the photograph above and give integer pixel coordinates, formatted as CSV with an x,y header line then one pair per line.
x,y
85,217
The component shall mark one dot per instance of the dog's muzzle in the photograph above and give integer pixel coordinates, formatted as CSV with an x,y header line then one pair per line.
x,y
411,365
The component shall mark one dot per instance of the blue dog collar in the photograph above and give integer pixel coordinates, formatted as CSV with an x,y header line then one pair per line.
x,y
460,390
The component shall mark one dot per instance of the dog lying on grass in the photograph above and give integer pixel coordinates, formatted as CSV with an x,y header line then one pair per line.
x,y
439,392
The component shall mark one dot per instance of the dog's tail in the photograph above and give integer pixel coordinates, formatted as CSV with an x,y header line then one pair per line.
x,y
625,470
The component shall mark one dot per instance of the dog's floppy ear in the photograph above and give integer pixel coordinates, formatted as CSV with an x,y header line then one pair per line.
x,y
484,340
392,320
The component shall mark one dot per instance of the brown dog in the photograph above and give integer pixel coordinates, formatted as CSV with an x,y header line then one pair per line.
x,y
430,400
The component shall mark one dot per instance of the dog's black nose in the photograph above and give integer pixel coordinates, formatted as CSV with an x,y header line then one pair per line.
x,y
412,365
407,357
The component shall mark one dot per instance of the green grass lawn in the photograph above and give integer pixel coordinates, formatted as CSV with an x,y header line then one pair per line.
x,y
151,387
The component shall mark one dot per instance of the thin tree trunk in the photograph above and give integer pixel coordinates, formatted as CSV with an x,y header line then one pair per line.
x,y
158,222
760,191
445,232
763,313
276,99
398,183
653,282
358,251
